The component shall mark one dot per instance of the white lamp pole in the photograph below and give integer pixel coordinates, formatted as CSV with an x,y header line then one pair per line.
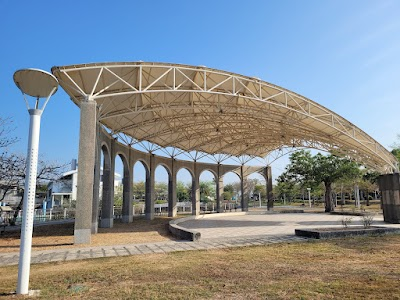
x,y
38,84
309,196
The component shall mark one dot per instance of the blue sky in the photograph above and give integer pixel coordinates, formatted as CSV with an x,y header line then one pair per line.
x,y
341,54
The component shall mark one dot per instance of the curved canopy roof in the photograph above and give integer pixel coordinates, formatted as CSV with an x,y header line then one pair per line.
x,y
213,111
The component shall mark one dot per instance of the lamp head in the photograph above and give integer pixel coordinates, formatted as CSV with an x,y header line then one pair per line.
x,y
36,83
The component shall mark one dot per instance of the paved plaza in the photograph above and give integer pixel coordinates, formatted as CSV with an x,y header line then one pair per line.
x,y
275,224
221,231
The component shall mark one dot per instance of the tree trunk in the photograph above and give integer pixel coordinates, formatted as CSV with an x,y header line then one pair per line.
x,y
4,194
328,197
341,195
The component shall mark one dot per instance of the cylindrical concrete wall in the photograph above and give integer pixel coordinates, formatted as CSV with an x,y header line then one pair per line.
x,y
389,184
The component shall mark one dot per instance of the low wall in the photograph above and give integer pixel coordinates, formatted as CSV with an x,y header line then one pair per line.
x,y
193,235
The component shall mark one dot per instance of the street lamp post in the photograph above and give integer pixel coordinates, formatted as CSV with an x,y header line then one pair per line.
x,y
309,196
38,84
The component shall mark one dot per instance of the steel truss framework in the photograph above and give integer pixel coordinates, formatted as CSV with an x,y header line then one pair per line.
x,y
204,111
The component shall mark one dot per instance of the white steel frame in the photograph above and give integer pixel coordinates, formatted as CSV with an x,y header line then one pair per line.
x,y
220,114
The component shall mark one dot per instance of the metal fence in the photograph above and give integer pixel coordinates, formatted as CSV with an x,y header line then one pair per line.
x,y
39,215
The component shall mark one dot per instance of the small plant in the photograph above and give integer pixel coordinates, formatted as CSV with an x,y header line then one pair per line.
x,y
160,201
367,220
346,221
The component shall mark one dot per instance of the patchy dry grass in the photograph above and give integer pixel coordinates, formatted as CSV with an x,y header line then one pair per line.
x,y
356,268
62,235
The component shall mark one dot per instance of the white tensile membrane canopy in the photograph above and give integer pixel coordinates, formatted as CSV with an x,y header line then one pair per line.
x,y
216,112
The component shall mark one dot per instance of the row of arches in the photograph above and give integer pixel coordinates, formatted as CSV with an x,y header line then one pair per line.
x,y
111,153
95,142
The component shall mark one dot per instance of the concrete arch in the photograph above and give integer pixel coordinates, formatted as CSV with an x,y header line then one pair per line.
x,y
237,193
215,183
161,167
124,158
107,179
143,162
191,172
166,167
105,148
215,174
127,201
139,156
201,167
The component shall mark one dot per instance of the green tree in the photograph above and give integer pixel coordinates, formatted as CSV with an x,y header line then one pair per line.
x,y
370,183
118,195
326,169
285,189
396,148
396,152
229,191
207,191
161,189
139,190
183,191
260,189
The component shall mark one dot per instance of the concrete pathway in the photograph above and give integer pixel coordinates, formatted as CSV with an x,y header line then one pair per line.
x,y
46,256
222,231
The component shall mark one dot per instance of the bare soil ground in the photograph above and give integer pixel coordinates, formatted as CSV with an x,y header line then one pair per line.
x,y
58,236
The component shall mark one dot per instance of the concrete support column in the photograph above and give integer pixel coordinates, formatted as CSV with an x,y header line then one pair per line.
x,y
219,189
172,209
389,184
127,201
86,157
150,189
196,192
96,186
107,207
270,196
244,191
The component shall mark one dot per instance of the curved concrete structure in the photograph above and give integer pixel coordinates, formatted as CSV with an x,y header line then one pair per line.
x,y
129,156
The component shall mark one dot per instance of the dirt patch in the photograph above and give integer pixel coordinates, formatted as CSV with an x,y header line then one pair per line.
x,y
59,236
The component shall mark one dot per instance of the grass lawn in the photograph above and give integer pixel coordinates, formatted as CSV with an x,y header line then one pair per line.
x,y
353,268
